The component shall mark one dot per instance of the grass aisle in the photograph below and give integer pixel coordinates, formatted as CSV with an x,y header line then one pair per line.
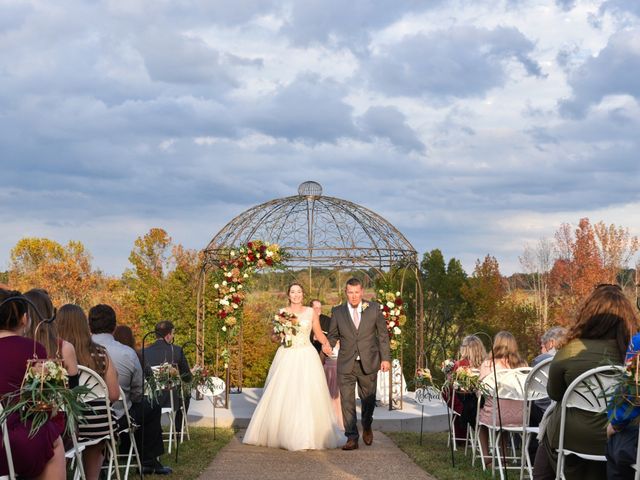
x,y
196,454
434,456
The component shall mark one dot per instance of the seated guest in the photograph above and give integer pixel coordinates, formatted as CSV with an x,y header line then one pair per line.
x,y
599,336
47,335
41,455
471,354
164,351
73,327
102,323
622,443
505,355
549,343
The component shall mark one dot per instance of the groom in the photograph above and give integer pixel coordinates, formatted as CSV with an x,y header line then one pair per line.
x,y
364,349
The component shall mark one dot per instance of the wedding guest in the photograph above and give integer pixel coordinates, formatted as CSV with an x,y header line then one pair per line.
x,y
46,333
506,356
102,323
73,327
550,341
622,443
41,455
164,351
599,336
470,355
325,321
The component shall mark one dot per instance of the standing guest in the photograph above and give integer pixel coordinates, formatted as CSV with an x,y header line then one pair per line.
x,y
46,333
40,456
599,336
471,355
506,356
73,327
102,323
325,321
164,351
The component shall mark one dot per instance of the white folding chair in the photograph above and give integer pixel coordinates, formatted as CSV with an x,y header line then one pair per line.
x,y
7,449
510,387
184,426
469,438
535,388
636,466
588,392
99,391
132,454
74,454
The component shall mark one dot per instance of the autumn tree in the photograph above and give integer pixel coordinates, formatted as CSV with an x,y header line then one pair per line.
x,y
616,247
537,262
65,271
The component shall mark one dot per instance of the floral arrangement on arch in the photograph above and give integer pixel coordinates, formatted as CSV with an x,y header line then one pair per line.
x,y
232,277
393,310
43,394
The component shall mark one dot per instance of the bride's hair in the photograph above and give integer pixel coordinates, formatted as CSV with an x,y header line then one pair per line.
x,y
294,284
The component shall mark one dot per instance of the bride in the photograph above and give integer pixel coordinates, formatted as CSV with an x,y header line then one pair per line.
x,y
295,411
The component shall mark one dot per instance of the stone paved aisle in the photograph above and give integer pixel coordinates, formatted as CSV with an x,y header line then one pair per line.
x,y
381,461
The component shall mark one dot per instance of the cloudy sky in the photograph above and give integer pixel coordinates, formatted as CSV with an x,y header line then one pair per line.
x,y
474,127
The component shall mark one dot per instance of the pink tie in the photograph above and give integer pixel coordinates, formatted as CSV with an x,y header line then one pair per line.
x,y
356,318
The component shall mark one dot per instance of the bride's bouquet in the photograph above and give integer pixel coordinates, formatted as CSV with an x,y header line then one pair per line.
x,y
285,326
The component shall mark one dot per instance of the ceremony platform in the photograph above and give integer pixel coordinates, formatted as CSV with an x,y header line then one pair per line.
x,y
242,405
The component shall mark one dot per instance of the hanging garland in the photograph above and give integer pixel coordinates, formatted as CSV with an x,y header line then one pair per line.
x,y
393,310
235,272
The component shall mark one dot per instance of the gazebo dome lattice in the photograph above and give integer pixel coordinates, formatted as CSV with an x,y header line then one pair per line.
x,y
315,231
318,231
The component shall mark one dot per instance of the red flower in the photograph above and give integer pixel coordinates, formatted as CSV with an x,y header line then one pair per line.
x,y
386,309
263,248
251,257
268,261
398,301
239,264
222,314
250,245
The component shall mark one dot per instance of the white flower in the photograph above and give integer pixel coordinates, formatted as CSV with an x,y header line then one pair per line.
x,y
239,287
224,283
246,275
232,253
224,328
228,274
392,324
216,286
396,331
269,253
232,289
234,305
397,294
391,304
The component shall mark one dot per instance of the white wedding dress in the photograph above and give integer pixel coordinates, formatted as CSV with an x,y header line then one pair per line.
x,y
295,411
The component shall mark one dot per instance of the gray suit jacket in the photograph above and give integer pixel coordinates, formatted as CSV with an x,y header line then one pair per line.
x,y
370,340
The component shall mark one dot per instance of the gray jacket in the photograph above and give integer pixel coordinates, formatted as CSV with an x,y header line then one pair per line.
x,y
370,341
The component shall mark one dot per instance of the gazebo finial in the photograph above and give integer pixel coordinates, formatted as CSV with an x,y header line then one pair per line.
x,y
310,189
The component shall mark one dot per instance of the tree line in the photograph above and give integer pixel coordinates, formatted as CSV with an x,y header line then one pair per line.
x,y
161,281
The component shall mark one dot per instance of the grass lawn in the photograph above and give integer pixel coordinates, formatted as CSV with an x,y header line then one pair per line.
x,y
194,455
435,457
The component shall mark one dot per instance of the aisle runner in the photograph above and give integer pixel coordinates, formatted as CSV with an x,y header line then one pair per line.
x,y
379,461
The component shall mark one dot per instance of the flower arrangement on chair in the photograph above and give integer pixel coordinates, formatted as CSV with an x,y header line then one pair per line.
x,y
167,376
464,380
423,378
43,394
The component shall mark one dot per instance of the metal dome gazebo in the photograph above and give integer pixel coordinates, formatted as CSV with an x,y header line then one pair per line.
x,y
316,231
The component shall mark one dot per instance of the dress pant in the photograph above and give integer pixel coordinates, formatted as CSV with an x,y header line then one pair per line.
x,y
621,454
367,384
149,433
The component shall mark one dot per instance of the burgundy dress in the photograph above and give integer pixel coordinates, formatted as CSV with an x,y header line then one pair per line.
x,y
30,455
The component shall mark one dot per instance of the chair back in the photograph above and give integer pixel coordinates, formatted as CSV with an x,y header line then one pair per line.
x,y
535,387
510,383
7,447
591,390
98,391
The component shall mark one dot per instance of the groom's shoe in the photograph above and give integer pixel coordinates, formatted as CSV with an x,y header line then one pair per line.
x,y
352,444
367,436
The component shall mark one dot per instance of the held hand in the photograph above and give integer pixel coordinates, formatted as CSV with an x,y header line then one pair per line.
x,y
385,366
275,338
610,431
326,349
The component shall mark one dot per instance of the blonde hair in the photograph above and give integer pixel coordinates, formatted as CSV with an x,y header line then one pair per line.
x,y
473,350
505,347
